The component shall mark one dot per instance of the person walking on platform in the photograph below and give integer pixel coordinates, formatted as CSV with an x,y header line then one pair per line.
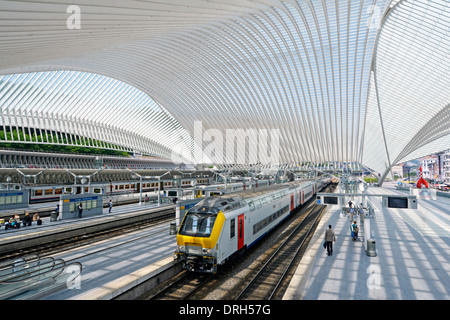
x,y
351,212
80,210
329,239
355,230
110,206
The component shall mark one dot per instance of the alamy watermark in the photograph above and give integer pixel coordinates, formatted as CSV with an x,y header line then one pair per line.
x,y
373,281
73,22
74,279
232,146
375,16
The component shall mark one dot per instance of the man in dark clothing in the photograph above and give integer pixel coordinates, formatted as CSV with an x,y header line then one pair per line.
x,y
27,220
329,239
80,210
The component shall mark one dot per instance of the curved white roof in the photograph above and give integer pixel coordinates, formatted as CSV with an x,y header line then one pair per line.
x,y
358,81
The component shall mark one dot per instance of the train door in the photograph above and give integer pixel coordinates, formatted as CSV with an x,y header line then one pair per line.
x,y
292,202
240,231
303,197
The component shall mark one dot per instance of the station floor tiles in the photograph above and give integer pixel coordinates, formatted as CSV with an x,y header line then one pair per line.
x,y
412,261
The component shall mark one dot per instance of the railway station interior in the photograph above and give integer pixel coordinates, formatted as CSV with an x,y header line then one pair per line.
x,y
223,150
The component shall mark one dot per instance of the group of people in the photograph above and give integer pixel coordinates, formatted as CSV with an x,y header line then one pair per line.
x,y
354,227
329,233
14,222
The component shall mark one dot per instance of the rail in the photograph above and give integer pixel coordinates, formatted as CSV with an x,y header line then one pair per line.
x,y
288,251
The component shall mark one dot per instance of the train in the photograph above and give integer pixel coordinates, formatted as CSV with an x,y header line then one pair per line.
x,y
220,189
44,193
217,228
212,190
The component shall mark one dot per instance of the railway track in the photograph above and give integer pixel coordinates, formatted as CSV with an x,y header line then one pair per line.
x,y
267,282
182,287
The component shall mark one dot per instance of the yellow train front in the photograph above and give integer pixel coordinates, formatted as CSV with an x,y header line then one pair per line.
x,y
197,238
218,227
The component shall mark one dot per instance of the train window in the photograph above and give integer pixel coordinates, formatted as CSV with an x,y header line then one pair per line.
x,y
240,229
232,228
48,192
38,192
121,187
198,224
86,189
117,187
58,191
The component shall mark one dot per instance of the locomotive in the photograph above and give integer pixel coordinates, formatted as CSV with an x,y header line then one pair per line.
x,y
218,227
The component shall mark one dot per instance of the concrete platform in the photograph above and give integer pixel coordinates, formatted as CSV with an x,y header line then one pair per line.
x,y
53,231
412,262
110,267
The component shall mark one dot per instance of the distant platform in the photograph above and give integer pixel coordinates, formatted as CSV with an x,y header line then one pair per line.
x,y
412,261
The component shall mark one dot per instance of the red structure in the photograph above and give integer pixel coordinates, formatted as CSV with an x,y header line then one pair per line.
x,y
421,180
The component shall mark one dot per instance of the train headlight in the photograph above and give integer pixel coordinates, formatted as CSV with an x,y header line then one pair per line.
x,y
208,251
181,249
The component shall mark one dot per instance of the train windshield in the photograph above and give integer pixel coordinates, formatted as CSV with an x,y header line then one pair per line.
x,y
198,223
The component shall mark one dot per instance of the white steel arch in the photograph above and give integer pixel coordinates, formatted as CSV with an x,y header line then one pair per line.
x,y
324,74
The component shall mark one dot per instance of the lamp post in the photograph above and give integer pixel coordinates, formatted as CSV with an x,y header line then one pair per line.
x,y
159,187
140,185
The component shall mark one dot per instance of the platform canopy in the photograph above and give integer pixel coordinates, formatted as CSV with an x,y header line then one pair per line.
x,y
301,81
